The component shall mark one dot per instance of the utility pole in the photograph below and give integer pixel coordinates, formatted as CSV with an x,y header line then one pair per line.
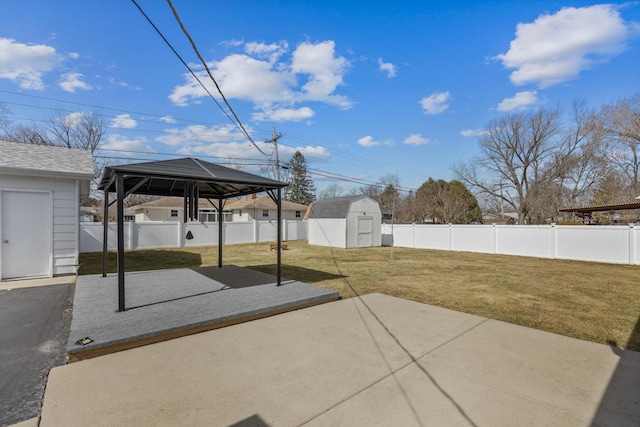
x,y
274,140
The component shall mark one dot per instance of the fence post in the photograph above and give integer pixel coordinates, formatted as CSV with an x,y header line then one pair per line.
x,y
285,234
494,238
554,240
632,244
130,236
255,230
450,236
413,229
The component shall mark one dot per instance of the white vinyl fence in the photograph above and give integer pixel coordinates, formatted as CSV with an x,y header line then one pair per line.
x,y
611,244
145,235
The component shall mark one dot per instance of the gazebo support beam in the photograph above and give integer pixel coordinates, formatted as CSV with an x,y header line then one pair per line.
x,y
120,215
105,232
220,229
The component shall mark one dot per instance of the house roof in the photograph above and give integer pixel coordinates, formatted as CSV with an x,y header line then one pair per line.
x,y
334,207
45,160
174,203
264,202
171,177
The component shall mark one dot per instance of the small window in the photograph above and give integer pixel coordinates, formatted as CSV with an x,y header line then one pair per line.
x,y
298,214
174,213
265,213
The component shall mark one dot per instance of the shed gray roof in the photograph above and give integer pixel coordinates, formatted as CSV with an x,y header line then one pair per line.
x,y
169,177
45,160
334,207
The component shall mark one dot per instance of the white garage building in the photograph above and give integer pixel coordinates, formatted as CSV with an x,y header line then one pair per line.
x,y
40,191
345,222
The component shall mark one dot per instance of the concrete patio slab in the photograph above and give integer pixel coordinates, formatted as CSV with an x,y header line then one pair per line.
x,y
375,360
32,283
165,304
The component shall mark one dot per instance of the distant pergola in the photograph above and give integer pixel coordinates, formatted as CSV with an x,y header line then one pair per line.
x,y
191,179
587,212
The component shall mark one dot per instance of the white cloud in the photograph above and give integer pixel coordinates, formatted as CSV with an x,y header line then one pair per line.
x,y
74,55
124,121
120,143
473,132
557,47
324,70
435,103
74,119
416,139
270,51
283,115
310,153
168,119
368,141
231,43
519,101
387,67
70,82
26,64
196,135
312,73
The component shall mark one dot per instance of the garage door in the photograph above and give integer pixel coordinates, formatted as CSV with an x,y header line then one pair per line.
x,y
26,234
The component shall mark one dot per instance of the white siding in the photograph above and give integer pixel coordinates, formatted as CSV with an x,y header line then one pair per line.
x,y
66,209
328,232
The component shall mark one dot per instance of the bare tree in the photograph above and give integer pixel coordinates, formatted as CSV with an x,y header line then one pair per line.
x,y
334,190
621,126
516,150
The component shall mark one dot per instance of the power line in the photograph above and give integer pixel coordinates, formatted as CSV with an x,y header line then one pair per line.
x,y
238,124
206,67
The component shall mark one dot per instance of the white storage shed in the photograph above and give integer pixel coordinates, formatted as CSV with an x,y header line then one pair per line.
x,y
40,191
345,222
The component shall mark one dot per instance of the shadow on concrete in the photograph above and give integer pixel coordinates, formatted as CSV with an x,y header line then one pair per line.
x,y
620,404
235,277
139,260
293,272
252,421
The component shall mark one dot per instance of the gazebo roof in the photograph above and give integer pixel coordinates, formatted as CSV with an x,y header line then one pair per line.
x,y
169,177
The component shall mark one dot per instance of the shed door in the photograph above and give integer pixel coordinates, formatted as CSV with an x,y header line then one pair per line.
x,y
365,232
26,234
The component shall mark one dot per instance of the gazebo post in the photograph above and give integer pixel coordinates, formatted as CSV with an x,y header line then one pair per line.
x,y
220,230
120,215
279,238
105,232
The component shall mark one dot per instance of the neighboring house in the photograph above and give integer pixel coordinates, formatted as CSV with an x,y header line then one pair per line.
x,y
172,209
258,208
508,218
263,208
40,191
345,222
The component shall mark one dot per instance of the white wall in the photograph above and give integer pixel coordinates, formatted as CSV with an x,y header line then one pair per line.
x,y
328,232
367,208
66,211
610,244
172,234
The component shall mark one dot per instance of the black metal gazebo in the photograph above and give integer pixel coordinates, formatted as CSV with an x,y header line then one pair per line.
x,y
189,178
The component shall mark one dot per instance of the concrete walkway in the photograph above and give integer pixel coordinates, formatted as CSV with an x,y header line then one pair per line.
x,y
378,360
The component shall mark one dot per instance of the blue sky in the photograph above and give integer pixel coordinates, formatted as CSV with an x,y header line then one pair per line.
x,y
362,89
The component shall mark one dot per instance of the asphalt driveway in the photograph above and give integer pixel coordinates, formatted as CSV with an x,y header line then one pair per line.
x,y
34,328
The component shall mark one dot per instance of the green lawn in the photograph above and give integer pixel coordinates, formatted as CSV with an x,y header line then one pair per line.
x,y
590,301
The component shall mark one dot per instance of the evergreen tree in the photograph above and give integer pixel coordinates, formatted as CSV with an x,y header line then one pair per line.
x,y
301,188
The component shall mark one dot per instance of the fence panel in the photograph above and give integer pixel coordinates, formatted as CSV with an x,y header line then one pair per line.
x,y
595,243
238,232
154,234
611,244
204,233
473,238
526,240
148,234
